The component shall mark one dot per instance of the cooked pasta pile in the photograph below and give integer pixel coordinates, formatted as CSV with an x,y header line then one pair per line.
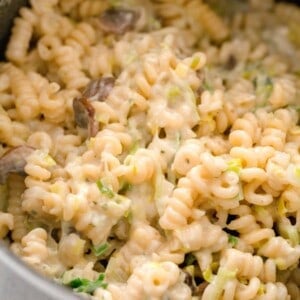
x,y
150,149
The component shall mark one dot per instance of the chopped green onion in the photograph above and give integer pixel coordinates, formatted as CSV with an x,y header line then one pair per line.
x,y
77,282
219,282
100,250
128,215
233,240
173,92
190,270
288,231
280,263
105,190
82,285
134,147
261,289
208,275
235,165
293,235
195,62
47,159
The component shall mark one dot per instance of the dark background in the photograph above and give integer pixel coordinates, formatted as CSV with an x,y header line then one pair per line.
x,y
7,13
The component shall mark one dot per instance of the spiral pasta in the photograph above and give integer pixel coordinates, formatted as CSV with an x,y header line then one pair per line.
x,y
27,103
136,245
18,46
81,38
173,14
34,246
69,65
179,207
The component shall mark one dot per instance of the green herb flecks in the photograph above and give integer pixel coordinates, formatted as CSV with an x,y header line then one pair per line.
x,y
104,189
261,289
173,93
82,285
235,165
100,250
195,62
128,215
208,275
233,240
134,147
220,280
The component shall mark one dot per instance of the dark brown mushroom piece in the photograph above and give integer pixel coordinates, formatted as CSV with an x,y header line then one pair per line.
x,y
14,161
118,20
84,112
99,89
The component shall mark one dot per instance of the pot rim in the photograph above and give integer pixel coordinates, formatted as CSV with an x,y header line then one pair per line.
x,y
28,278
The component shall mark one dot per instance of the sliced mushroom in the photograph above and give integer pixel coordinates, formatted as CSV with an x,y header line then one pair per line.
x,y
99,89
14,161
96,90
118,20
85,115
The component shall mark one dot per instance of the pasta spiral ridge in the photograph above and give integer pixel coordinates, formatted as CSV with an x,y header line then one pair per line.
x,y
34,246
18,46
